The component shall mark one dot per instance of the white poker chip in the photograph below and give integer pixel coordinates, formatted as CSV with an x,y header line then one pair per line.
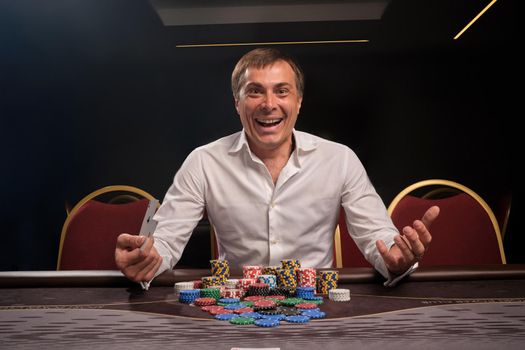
x,y
339,294
183,286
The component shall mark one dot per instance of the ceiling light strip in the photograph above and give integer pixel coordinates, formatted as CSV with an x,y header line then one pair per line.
x,y
276,43
474,19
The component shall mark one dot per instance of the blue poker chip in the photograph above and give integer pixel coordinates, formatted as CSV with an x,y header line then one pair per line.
x,y
234,306
315,314
279,317
265,322
297,319
225,317
254,315
229,300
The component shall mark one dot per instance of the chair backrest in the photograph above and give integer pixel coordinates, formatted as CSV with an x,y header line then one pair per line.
x,y
346,253
466,231
90,230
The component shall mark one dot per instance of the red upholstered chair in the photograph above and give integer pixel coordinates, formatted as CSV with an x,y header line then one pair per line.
x,y
346,253
466,231
90,231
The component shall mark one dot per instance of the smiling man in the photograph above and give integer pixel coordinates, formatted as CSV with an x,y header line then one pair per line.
x,y
272,192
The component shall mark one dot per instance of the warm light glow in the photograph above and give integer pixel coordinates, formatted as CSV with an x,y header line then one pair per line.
x,y
277,43
474,19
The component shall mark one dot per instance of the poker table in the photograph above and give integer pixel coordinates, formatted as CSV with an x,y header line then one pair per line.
x,y
449,307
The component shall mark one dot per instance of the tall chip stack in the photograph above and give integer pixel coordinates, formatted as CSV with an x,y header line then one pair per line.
x,y
306,277
327,280
286,278
220,268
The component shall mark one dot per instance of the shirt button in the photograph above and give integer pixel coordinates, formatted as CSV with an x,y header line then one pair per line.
x,y
273,241
272,205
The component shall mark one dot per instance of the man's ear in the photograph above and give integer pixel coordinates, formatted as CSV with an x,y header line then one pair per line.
x,y
236,104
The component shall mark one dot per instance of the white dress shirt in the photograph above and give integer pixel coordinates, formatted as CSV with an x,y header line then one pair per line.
x,y
258,222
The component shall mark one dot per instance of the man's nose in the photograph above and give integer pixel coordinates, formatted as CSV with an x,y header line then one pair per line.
x,y
269,101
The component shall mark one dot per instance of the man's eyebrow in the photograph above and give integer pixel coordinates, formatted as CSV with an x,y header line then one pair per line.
x,y
283,84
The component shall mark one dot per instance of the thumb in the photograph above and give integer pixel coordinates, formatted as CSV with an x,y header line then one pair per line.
x,y
125,240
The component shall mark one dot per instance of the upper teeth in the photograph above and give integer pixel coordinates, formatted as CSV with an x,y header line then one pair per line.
x,y
268,121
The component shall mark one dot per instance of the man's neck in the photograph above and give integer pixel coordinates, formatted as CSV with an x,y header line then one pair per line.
x,y
275,159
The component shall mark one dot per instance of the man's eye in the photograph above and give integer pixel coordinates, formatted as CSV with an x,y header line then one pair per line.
x,y
282,92
252,91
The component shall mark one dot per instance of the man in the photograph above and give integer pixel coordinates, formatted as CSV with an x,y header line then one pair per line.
x,y
272,192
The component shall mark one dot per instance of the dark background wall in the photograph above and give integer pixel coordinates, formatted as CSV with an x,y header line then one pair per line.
x,y
95,93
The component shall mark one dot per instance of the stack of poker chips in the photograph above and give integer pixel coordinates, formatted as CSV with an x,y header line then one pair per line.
x,y
286,278
261,289
327,281
339,294
270,280
214,293
180,286
244,284
189,296
251,271
290,264
306,293
209,281
306,277
270,270
220,268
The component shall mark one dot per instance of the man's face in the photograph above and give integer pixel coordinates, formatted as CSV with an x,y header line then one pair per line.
x,y
268,106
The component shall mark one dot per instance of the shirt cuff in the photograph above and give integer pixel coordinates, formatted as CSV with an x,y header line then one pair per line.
x,y
394,279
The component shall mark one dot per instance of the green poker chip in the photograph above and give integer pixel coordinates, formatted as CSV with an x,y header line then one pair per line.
x,y
242,320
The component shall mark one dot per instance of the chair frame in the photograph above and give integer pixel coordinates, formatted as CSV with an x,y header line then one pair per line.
x,y
87,198
458,186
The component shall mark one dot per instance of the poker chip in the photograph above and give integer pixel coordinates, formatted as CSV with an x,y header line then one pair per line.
x,y
267,322
306,306
291,301
297,319
254,315
279,317
234,306
225,317
264,304
243,310
314,314
253,298
242,320
288,311
339,294
229,300
205,301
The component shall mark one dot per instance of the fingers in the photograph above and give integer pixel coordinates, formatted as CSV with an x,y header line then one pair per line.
x,y
416,247
390,260
145,269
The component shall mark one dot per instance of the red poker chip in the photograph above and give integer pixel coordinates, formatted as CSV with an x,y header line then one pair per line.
x,y
264,303
211,307
221,311
277,297
205,301
306,306
259,285
243,310
253,298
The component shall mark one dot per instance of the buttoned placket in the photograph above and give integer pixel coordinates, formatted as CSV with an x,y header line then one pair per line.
x,y
275,246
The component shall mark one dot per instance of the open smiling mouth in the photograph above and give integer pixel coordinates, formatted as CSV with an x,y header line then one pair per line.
x,y
269,122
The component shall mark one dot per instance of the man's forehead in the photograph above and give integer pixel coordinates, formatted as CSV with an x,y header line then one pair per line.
x,y
279,71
